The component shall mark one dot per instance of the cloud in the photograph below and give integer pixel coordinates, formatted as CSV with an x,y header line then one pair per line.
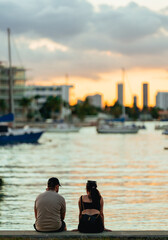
x,y
128,23
55,19
56,36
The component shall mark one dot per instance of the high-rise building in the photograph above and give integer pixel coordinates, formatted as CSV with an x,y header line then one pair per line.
x,y
162,100
120,93
18,79
135,101
145,95
95,100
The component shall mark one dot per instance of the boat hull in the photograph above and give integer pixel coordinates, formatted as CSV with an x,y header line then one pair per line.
x,y
11,139
58,130
118,131
165,132
63,128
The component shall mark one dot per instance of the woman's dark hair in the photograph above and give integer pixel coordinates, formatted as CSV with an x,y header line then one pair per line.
x,y
91,187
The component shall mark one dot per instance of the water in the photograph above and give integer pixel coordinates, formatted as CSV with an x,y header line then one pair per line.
x,y
131,172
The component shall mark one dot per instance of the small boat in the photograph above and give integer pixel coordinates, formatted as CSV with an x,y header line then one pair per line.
x,y
165,132
10,136
118,129
116,125
143,127
110,126
63,128
161,127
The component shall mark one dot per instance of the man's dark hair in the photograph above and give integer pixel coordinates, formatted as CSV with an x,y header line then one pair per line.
x,y
52,182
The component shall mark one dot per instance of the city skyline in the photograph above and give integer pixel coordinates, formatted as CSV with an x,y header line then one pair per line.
x,y
91,41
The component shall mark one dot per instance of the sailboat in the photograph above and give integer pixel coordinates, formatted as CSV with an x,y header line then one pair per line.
x,y
110,126
10,135
15,136
63,125
116,125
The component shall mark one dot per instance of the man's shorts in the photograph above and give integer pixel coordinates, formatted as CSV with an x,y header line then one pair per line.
x,y
61,229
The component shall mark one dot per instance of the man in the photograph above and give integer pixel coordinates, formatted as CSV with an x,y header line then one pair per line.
x,y
50,208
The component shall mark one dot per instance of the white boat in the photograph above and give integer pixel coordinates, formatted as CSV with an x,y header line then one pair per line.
x,y
63,128
165,132
161,127
116,127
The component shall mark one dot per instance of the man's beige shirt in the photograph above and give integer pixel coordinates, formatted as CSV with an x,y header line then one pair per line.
x,y
50,207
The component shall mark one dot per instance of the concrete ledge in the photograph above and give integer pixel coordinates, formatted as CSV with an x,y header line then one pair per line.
x,y
115,235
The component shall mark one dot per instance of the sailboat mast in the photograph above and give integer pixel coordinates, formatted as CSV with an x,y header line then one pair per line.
x,y
123,81
11,103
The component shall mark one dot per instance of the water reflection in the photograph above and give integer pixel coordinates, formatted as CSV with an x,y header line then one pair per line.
x,y
131,172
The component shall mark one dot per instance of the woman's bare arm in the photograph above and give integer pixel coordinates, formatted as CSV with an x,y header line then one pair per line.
x,y
80,209
101,209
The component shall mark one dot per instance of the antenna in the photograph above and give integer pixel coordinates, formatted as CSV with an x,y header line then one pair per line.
x,y
11,103
67,79
123,81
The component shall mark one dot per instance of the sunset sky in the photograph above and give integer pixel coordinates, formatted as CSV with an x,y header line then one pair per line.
x,y
90,41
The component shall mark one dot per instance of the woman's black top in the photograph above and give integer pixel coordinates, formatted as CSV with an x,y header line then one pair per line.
x,y
89,205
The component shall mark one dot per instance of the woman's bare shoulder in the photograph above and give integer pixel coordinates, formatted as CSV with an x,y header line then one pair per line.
x,y
83,197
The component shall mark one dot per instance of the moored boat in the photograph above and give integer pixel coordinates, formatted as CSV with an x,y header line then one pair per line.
x,y
8,134
63,128
116,128
161,127
15,136
165,132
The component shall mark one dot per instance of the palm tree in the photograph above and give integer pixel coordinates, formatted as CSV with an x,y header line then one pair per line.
x,y
25,103
51,107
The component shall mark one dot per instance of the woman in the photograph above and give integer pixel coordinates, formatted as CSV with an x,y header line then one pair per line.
x,y
91,218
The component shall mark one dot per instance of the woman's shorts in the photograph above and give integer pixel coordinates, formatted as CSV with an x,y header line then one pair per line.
x,y
91,224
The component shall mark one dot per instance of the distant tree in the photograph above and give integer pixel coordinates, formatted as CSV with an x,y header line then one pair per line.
x,y
66,104
37,97
133,113
25,104
81,110
51,106
145,109
3,106
116,110
154,111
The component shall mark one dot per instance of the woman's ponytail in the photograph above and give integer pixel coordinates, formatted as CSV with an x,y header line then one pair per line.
x,y
95,195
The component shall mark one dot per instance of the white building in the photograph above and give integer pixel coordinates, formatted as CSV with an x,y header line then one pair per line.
x,y
43,92
162,100
95,100
18,82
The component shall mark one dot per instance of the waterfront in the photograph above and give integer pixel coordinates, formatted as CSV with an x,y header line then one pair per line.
x,y
131,171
